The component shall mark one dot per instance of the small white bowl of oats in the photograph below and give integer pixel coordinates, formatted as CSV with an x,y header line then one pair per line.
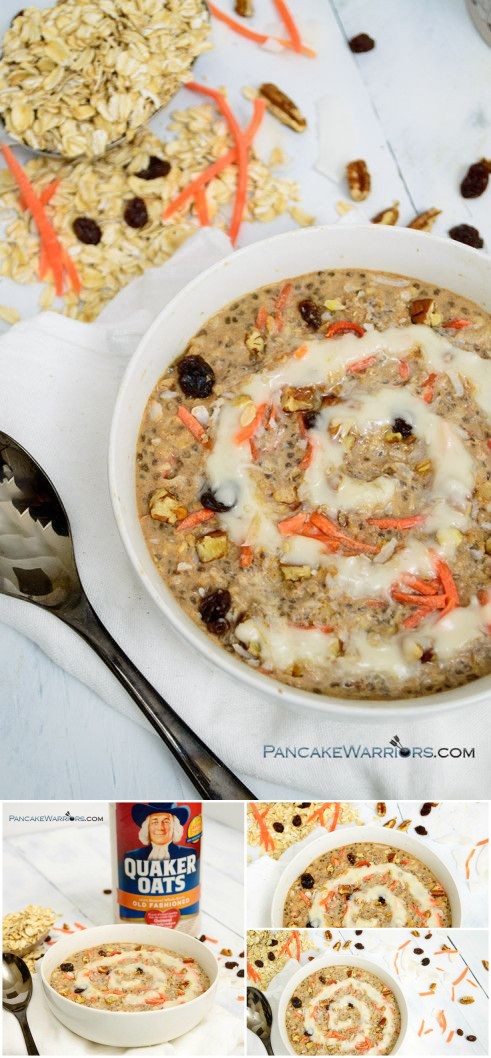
x,y
129,985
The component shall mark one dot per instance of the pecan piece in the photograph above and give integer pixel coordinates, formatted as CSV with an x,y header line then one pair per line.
x,y
421,310
282,107
245,8
387,216
425,221
381,808
437,891
359,179
466,1000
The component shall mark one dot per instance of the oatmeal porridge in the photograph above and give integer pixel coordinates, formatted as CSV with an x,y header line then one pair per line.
x,y
366,884
343,1010
312,484
129,977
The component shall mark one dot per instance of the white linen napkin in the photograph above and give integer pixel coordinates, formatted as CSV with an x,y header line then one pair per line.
x,y
59,382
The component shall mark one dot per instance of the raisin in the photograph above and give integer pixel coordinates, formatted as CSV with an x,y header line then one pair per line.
x,y
258,962
467,234
362,42
78,990
135,213
472,1039
460,1032
426,656
87,231
231,965
418,951
428,936
240,973
218,627
402,427
358,932
425,962
297,821
273,943
309,421
305,804
278,827
296,1002
67,967
107,892
139,970
271,956
196,377
208,499
426,809
421,830
310,313
351,857
102,952
307,881
359,945
382,900
322,979
213,608
156,167
475,180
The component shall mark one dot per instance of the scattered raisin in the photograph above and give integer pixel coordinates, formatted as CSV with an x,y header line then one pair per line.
x,y
258,962
77,990
139,970
296,1002
428,936
467,234
208,499
475,180
351,857
309,421
240,973
273,943
421,830
426,809
382,900
418,951
310,313
213,608
67,967
305,804
107,892
231,965
425,962
87,231
460,1032
271,956
297,821
156,167
362,42
472,1039
427,656
196,377
359,945
402,427
278,827
358,932
307,881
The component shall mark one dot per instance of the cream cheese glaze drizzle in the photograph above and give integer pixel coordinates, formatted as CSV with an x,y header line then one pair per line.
x,y
138,977
370,1006
385,875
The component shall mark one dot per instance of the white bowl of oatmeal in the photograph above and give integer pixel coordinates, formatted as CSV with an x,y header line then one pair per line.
x,y
304,591
107,983
367,1010
366,877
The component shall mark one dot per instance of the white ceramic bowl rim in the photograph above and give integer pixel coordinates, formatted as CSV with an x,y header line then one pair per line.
x,y
133,1015
378,248
343,959
376,835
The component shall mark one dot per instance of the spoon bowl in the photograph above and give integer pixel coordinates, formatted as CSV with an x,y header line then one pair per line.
x,y
259,1016
16,994
38,565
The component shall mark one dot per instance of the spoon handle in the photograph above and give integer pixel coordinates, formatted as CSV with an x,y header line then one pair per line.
x,y
207,772
26,1032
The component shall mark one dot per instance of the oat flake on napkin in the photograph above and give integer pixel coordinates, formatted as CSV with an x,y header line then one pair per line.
x,y
59,383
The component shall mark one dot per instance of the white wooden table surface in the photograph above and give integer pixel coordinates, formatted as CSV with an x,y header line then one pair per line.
x,y
426,90
68,867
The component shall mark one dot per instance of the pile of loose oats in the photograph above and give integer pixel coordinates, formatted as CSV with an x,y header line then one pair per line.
x,y
23,931
289,821
265,954
105,191
79,75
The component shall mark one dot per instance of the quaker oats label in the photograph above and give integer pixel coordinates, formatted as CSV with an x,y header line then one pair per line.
x,y
156,862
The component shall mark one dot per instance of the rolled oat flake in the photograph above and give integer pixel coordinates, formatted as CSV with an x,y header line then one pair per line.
x,y
156,863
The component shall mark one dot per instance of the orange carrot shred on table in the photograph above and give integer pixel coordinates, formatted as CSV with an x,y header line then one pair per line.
x,y
453,994
246,432
343,327
357,366
485,841
251,34
79,925
246,556
460,977
242,146
202,207
457,325
290,24
266,840
196,518
427,1032
335,818
281,302
426,993
396,961
397,523
191,423
450,1036
404,370
217,166
467,864
401,946
71,271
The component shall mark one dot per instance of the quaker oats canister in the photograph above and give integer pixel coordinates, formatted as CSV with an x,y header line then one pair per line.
x,y
156,862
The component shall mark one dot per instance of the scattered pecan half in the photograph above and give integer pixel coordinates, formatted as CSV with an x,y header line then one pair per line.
x,y
476,179
359,180
421,309
245,8
362,42
467,234
387,216
282,107
425,221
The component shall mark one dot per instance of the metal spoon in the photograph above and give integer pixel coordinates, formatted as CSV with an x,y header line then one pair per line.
x,y
259,1016
17,992
37,563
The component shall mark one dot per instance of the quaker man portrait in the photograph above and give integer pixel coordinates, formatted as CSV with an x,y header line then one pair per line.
x,y
161,829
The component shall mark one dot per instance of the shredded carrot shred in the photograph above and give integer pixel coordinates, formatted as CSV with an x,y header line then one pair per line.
x,y
281,302
261,319
290,24
467,864
191,423
303,896
453,994
308,457
252,973
428,388
343,327
404,370
426,602
426,993
196,518
289,526
397,523
266,838
457,325
251,34
460,977
319,813
404,945
246,432
485,841
396,962
331,529
202,207
423,586
450,1036
427,1032
449,586
335,818
301,351
246,556
357,366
